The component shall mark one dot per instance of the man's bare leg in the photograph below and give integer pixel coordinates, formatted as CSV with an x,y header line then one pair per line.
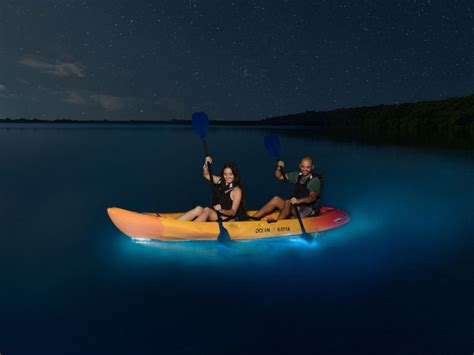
x,y
285,211
275,203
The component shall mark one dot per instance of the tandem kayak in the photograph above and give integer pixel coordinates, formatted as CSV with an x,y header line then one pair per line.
x,y
165,226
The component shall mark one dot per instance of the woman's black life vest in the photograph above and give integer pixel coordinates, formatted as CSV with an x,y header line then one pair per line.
x,y
222,197
301,191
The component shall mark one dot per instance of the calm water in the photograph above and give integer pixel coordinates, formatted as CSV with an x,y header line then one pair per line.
x,y
397,280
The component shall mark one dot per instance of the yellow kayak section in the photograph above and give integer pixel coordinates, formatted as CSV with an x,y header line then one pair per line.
x,y
165,226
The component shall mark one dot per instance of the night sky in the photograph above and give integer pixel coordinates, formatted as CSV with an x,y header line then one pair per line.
x,y
159,60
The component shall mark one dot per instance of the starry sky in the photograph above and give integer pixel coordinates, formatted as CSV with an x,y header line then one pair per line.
x,y
246,60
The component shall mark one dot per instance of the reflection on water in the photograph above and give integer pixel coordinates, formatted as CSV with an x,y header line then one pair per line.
x,y
236,252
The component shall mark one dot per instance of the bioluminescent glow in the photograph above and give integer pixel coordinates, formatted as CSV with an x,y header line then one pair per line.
x,y
196,252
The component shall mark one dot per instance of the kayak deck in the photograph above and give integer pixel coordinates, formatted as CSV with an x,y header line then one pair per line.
x,y
165,226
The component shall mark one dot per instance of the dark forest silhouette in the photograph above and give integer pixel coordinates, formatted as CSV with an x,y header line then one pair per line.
x,y
447,122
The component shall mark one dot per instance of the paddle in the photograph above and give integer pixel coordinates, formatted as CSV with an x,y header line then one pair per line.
x,y
272,144
201,125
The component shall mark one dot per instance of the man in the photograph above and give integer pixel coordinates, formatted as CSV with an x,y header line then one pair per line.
x,y
305,195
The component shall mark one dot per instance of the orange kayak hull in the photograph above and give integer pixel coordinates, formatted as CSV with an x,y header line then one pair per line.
x,y
166,227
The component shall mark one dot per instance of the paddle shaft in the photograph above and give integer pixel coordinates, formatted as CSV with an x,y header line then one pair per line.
x,y
272,144
209,170
295,208
200,123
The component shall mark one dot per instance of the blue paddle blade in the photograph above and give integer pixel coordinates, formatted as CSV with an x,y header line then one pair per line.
x,y
272,144
223,233
200,124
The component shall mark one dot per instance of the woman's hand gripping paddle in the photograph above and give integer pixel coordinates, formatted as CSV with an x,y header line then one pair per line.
x,y
201,125
272,144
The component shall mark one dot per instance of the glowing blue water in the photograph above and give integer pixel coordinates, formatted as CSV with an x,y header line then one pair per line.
x,y
397,279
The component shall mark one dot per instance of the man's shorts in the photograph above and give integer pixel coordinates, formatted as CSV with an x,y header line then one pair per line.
x,y
306,211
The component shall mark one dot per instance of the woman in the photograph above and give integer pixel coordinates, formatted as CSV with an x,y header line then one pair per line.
x,y
228,196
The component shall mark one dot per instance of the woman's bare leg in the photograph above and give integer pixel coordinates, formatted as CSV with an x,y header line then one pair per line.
x,y
204,216
212,216
191,214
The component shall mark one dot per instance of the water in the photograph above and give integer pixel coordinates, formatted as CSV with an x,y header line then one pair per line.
x,y
398,279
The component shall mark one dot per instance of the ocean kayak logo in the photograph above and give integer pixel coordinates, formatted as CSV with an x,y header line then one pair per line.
x,y
268,230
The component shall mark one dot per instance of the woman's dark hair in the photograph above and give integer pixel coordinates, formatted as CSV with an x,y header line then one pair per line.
x,y
237,182
235,172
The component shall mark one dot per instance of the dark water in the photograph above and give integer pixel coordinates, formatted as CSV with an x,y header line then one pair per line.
x,y
397,280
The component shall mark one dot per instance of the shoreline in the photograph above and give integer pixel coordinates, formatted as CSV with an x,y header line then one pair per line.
x,y
442,123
